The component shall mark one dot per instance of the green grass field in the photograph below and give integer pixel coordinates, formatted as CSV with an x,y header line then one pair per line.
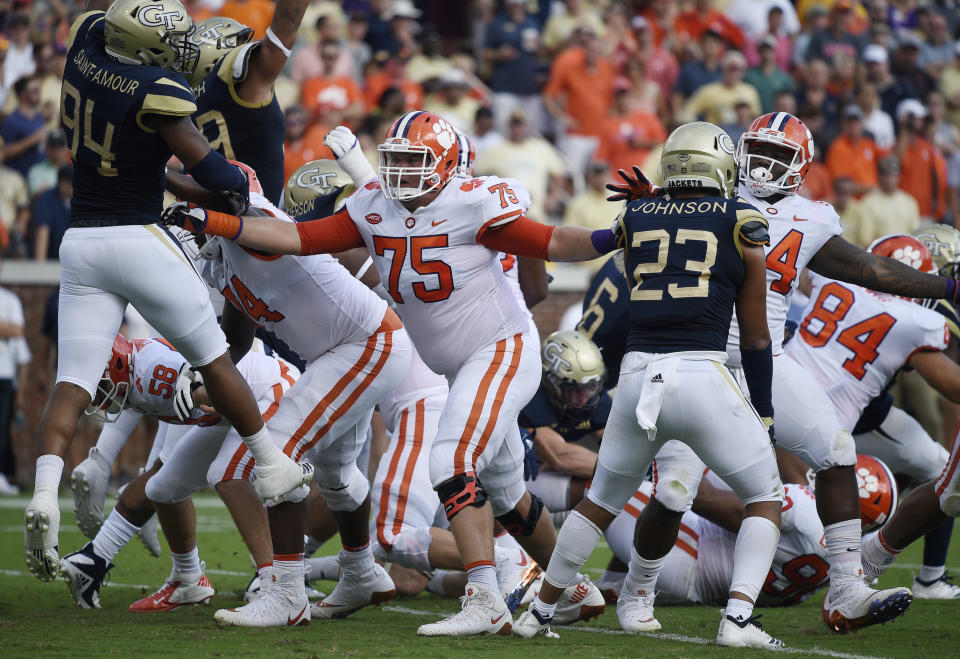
x,y
40,620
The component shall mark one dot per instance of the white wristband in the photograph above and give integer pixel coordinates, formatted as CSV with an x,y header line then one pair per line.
x,y
275,40
49,471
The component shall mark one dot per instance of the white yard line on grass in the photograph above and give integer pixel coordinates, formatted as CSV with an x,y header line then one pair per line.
x,y
109,584
66,503
680,638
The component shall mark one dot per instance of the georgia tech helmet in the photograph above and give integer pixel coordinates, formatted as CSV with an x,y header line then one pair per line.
x,y
216,36
699,156
311,180
573,372
427,136
115,382
878,492
782,166
943,242
152,32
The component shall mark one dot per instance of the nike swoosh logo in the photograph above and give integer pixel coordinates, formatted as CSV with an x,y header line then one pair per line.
x,y
494,621
299,615
799,219
523,560
436,223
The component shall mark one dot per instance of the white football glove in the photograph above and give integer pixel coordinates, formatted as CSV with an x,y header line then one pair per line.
x,y
346,148
40,535
183,394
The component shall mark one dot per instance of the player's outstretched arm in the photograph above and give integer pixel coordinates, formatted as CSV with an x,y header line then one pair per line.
x,y
838,259
526,237
208,167
940,372
269,58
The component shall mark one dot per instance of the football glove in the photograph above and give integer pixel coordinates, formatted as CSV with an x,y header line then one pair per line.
x,y
637,186
237,201
40,535
183,394
346,148
185,215
531,467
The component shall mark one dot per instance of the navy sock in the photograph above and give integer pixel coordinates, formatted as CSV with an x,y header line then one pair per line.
x,y
936,543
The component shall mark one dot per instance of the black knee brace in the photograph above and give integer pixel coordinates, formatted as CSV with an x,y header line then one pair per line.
x,y
459,492
514,522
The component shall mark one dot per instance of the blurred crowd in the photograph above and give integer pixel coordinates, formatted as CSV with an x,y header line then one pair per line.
x,y
561,93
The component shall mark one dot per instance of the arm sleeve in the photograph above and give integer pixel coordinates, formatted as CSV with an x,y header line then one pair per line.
x,y
758,372
336,233
523,237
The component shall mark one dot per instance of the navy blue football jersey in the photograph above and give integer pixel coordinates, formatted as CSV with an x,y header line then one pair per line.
x,y
606,315
684,266
251,133
105,111
540,412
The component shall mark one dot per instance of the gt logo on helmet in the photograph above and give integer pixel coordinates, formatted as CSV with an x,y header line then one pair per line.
x,y
552,355
311,177
154,16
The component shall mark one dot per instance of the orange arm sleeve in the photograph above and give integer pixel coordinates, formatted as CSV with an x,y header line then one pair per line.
x,y
335,233
522,237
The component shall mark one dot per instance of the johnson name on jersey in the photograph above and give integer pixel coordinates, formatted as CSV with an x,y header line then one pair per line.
x,y
105,111
252,133
431,255
854,341
798,229
684,265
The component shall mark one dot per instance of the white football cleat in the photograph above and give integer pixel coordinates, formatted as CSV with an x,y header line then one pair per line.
x,y
484,612
510,563
529,624
7,488
280,477
41,529
635,611
580,601
851,604
254,588
747,633
149,535
354,591
938,589
176,593
89,481
281,605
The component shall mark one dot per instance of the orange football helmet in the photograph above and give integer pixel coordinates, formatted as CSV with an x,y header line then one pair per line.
x,y
878,492
906,249
420,145
115,382
251,176
467,156
781,166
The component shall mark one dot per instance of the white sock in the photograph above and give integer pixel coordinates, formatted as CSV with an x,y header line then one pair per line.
x,y
326,568
738,609
613,575
753,554
545,610
843,542
643,572
575,543
186,564
49,471
877,555
113,536
483,574
288,575
435,585
929,573
261,446
357,561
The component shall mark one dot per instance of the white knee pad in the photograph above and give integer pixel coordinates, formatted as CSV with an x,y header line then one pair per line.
x,y
843,450
165,487
677,488
411,548
294,496
346,492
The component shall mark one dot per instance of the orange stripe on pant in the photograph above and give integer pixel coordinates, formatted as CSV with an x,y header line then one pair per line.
x,y
498,399
385,489
948,470
411,465
241,451
354,395
460,457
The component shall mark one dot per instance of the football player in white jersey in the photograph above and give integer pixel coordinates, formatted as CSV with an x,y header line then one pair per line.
x,y
774,154
148,377
434,239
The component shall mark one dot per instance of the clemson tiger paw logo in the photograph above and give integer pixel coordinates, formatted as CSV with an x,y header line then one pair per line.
x,y
445,133
909,255
867,483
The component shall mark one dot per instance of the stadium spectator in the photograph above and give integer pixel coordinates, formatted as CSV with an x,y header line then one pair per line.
x,y
19,62
485,133
51,216
854,154
814,21
642,94
256,14
562,26
355,45
50,63
815,75
530,160
702,67
877,123
391,72
887,209
452,101
14,357
326,58
756,19
767,77
329,97
510,49
14,205
818,184
837,37
578,94
923,168
659,64
937,49
590,208
395,29
890,89
701,17
302,143
716,102
628,134
907,68
43,175
5,83
24,131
